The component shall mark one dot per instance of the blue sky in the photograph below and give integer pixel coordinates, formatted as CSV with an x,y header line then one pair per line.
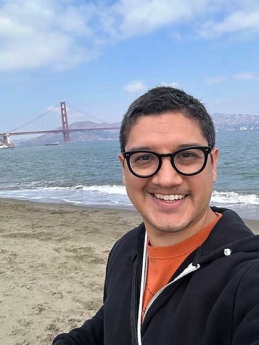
x,y
101,55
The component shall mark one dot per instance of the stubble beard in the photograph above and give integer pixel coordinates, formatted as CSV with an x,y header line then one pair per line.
x,y
165,228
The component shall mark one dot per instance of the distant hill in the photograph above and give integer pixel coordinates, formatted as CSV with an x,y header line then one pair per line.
x,y
235,122
223,122
92,135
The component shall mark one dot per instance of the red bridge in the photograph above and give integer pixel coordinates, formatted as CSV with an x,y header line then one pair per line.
x,y
65,127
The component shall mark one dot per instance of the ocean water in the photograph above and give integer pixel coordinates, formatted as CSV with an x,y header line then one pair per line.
x,y
90,174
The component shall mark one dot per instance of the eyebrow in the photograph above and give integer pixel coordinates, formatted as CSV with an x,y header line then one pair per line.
x,y
179,147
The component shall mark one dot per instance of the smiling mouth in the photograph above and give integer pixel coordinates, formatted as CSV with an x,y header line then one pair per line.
x,y
170,197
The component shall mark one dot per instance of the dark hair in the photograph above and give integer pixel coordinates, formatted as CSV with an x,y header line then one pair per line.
x,y
163,99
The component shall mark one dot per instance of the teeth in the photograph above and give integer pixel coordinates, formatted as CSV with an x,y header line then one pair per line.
x,y
169,197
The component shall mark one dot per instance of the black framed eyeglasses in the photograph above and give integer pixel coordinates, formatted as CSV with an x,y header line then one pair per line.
x,y
188,161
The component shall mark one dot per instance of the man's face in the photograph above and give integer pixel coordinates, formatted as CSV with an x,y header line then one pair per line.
x,y
190,211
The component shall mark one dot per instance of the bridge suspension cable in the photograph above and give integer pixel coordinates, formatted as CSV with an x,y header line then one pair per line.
x,y
38,117
84,113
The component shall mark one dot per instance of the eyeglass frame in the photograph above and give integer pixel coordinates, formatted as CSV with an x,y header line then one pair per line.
x,y
205,149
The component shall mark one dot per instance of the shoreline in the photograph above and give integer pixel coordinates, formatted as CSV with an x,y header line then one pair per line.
x,y
53,258
114,197
250,216
252,223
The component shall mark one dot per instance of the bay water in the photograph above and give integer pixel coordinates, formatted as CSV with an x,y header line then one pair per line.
x,y
90,174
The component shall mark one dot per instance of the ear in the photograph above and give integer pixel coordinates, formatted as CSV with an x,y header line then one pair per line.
x,y
215,157
122,160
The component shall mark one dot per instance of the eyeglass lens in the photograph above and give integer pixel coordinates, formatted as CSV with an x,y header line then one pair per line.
x,y
187,161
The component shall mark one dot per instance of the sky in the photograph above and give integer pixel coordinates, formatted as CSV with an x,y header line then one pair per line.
x,y
99,56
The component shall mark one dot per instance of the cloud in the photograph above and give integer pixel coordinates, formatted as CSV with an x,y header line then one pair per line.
x,y
244,21
143,16
173,84
247,76
138,86
35,34
177,36
216,80
135,86
61,34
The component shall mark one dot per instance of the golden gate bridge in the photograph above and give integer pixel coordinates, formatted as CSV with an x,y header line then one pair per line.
x,y
64,121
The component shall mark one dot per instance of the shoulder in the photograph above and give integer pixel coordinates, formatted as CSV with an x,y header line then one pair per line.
x,y
249,280
246,308
122,257
128,244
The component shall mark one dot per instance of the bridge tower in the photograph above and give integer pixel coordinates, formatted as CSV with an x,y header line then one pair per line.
x,y
64,122
6,139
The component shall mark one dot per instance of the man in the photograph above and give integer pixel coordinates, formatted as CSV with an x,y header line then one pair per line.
x,y
189,274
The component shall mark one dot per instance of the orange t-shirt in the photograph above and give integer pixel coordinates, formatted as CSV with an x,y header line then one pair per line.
x,y
164,261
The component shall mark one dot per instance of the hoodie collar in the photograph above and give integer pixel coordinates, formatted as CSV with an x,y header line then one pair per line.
x,y
230,235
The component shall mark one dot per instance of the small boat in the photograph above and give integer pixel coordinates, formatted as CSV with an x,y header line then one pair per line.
x,y
51,144
6,146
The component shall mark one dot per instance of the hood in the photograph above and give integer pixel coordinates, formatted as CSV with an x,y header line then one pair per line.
x,y
230,235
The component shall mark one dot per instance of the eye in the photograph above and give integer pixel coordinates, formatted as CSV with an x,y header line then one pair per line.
x,y
188,154
143,157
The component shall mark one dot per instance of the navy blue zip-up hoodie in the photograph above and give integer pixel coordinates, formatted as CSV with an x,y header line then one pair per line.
x,y
217,304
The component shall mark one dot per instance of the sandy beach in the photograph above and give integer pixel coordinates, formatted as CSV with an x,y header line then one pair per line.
x,y
53,261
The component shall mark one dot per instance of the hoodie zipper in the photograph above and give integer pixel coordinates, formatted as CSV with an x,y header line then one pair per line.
x,y
191,268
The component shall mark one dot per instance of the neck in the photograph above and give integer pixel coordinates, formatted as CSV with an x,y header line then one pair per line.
x,y
159,238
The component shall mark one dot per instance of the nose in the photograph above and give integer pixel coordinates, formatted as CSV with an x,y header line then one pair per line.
x,y
167,176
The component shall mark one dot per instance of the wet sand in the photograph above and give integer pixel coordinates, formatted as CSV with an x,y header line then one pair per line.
x,y
52,270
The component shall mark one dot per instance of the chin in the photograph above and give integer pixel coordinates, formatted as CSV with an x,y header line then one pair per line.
x,y
168,228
